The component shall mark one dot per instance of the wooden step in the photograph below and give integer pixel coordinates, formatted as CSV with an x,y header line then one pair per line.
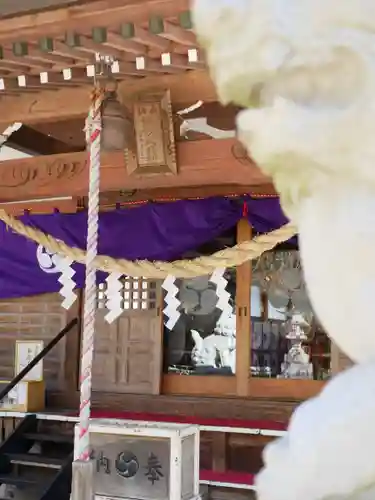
x,y
52,438
35,460
16,480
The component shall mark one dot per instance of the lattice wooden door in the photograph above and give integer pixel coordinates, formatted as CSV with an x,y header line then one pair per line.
x,y
128,352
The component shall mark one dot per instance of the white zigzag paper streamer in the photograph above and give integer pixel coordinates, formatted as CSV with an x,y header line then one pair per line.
x,y
171,309
223,296
64,265
114,297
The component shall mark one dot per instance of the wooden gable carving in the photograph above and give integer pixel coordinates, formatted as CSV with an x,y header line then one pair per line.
x,y
154,149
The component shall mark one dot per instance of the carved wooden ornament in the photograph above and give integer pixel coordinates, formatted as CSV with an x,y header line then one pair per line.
x,y
154,149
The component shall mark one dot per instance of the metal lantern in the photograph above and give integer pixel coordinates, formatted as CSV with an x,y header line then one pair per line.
x,y
117,123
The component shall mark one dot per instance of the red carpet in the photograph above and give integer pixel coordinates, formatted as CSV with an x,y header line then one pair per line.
x,y
232,477
215,422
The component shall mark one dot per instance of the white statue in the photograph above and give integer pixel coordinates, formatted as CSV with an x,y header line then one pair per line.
x,y
203,353
218,349
226,324
307,68
215,350
296,361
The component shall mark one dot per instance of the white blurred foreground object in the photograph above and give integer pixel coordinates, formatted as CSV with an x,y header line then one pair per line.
x,y
305,72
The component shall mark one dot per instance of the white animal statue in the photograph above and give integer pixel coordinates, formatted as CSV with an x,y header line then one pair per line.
x,y
304,70
215,350
226,324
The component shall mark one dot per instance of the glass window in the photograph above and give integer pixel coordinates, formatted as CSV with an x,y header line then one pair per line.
x,y
256,302
203,339
287,340
200,320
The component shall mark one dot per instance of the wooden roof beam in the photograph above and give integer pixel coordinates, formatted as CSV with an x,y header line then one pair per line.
x,y
200,163
70,103
128,197
44,206
31,141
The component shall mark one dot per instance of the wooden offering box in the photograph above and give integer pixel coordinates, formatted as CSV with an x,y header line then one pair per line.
x,y
27,396
144,461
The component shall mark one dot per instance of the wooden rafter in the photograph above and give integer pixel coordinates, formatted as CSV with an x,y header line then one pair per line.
x,y
52,23
154,37
200,163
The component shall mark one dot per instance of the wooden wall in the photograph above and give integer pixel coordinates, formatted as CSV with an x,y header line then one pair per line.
x,y
215,493
42,317
38,318
137,386
221,452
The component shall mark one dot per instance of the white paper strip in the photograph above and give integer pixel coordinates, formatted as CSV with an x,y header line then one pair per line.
x,y
223,296
9,131
114,297
64,265
171,309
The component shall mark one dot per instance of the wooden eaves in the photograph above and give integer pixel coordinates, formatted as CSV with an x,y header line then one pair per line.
x,y
37,48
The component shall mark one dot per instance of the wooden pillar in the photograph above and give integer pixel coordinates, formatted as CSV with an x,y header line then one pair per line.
x,y
243,328
73,347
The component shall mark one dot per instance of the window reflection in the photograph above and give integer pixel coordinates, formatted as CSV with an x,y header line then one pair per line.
x,y
268,346
203,340
287,340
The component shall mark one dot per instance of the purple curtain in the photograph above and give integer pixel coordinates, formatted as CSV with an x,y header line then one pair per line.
x,y
156,231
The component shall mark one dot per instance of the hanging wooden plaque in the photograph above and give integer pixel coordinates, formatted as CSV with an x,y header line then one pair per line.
x,y
154,150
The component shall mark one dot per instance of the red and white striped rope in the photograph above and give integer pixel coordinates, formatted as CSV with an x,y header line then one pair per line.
x,y
93,137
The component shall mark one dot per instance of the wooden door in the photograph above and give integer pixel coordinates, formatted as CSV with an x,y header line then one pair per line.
x,y
128,352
